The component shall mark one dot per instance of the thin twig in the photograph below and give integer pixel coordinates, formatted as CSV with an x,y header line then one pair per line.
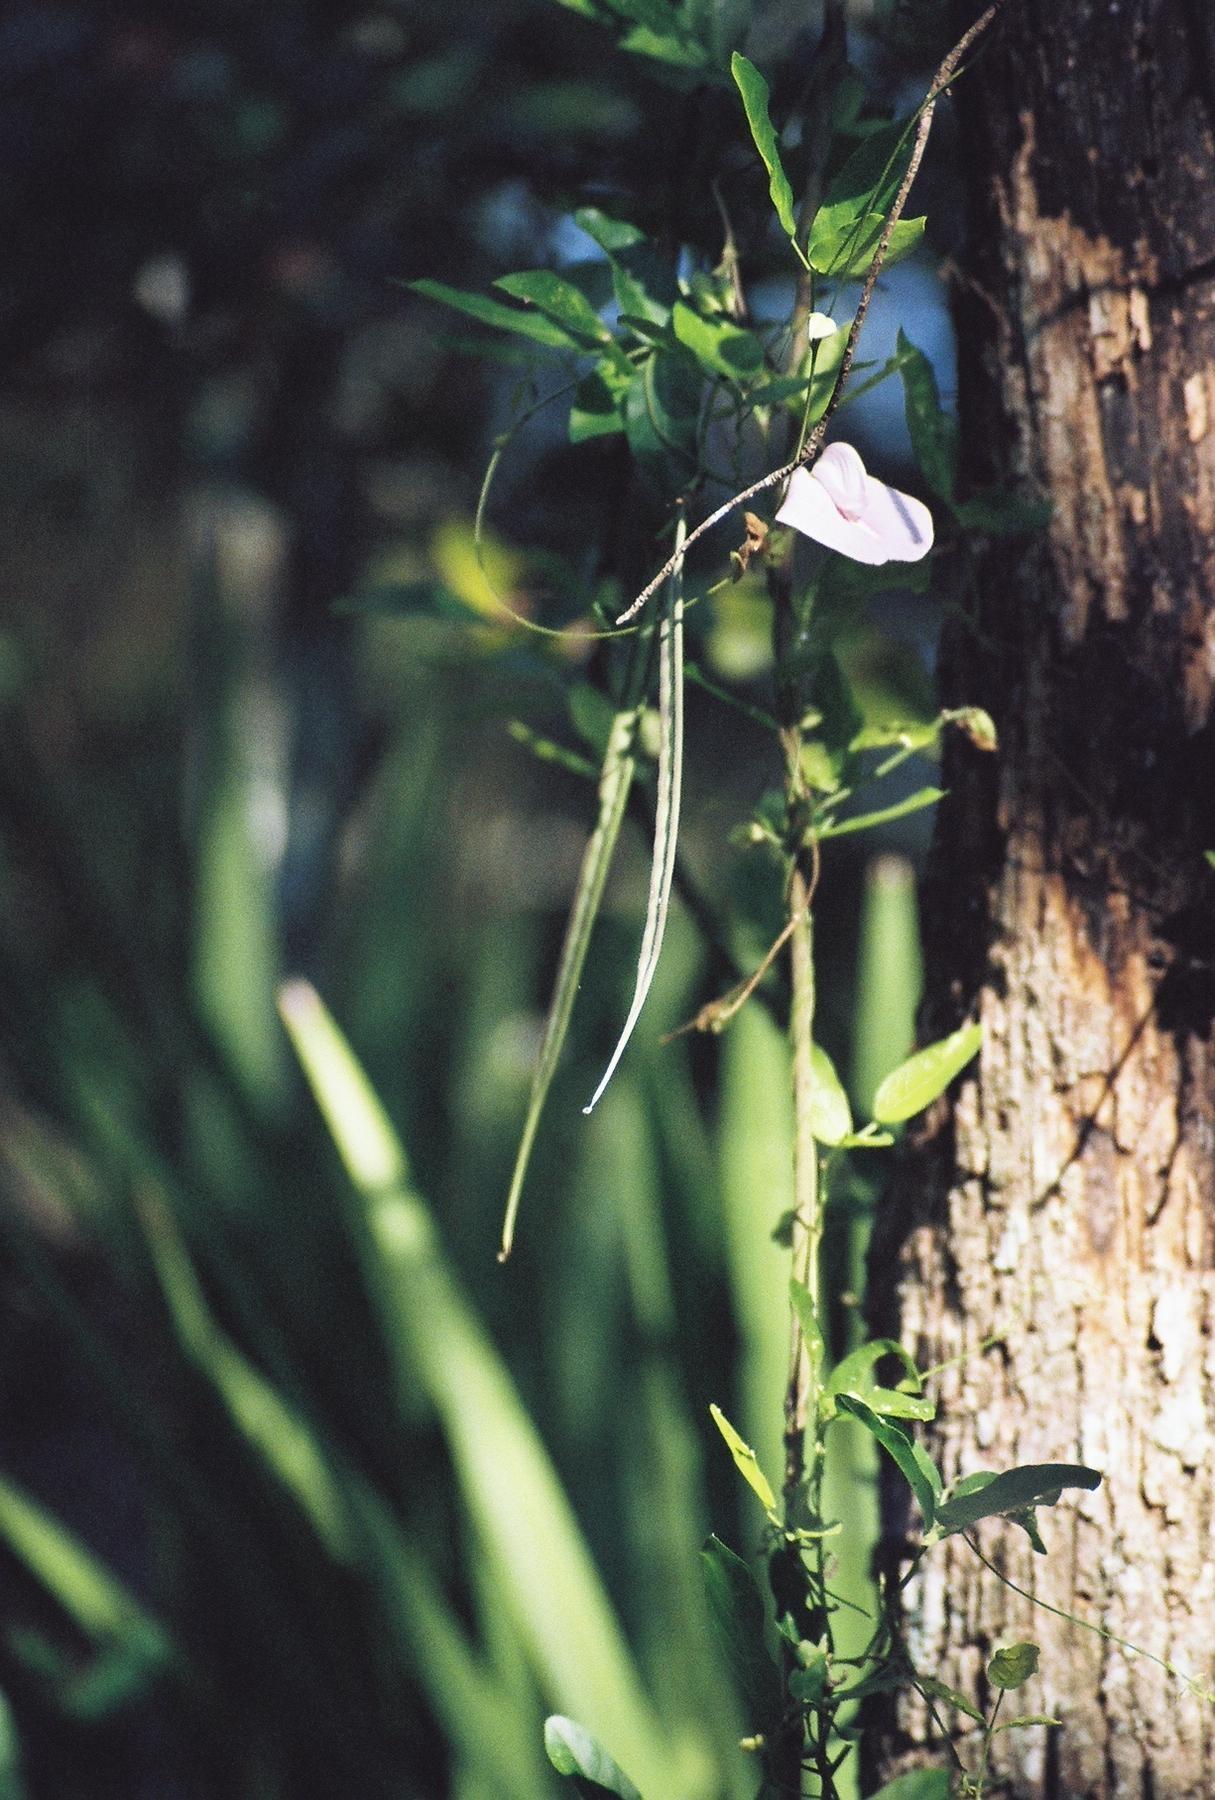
x,y
811,448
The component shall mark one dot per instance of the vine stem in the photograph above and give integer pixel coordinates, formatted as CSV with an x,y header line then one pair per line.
x,y
814,443
801,1400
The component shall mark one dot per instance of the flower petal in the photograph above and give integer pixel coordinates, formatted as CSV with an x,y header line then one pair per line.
x,y
809,508
842,507
903,523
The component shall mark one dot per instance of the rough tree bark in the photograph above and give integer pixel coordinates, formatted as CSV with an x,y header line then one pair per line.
x,y
1064,1199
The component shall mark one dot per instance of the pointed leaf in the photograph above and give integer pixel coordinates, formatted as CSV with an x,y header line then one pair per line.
x,y
745,1460
754,90
666,814
855,1373
719,346
938,1690
846,255
532,325
560,300
737,1609
830,1113
573,1751
1012,1665
807,1318
919,1081
933,432
1037,1484
917,1467
883,816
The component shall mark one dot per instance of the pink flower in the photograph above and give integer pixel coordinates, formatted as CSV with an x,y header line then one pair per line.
x,y
839,504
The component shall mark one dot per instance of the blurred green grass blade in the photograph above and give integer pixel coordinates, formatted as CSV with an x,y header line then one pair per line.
x,y
889,976
280,1436
235,960
615,780
508,1482
755,1135
12,1787
666,815
94,1599
664,1501
499,1741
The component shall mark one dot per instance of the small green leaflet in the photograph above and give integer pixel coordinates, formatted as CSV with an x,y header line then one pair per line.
x,y
803,1307
745,1461
919,1081
1012,1665
830,1113
666,818
573,1751
923,797
754,90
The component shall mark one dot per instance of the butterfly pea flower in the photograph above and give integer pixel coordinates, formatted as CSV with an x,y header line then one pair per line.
x,y
839,504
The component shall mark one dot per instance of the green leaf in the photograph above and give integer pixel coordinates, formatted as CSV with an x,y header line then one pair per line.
x,y
639,279
920,1080
938,1690
532,325
661,412
855,1375
919,1784
1026,1719
871,176
1012,1665
561,1612
737,1610
849,222
666,812
914,1463
845,254
807,1318
1037,1484
745,1460
611,235
719,346
914,803
559,300
573,1751
830,1113
933,432
615,780
754,90
597,410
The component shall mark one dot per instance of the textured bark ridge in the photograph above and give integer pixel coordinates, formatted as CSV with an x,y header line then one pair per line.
x,y
1065,1199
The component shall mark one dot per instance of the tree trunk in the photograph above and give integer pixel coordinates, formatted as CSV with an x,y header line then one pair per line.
x,y
1063,1200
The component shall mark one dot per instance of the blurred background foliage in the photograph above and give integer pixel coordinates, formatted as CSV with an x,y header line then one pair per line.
x,y
302,1495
